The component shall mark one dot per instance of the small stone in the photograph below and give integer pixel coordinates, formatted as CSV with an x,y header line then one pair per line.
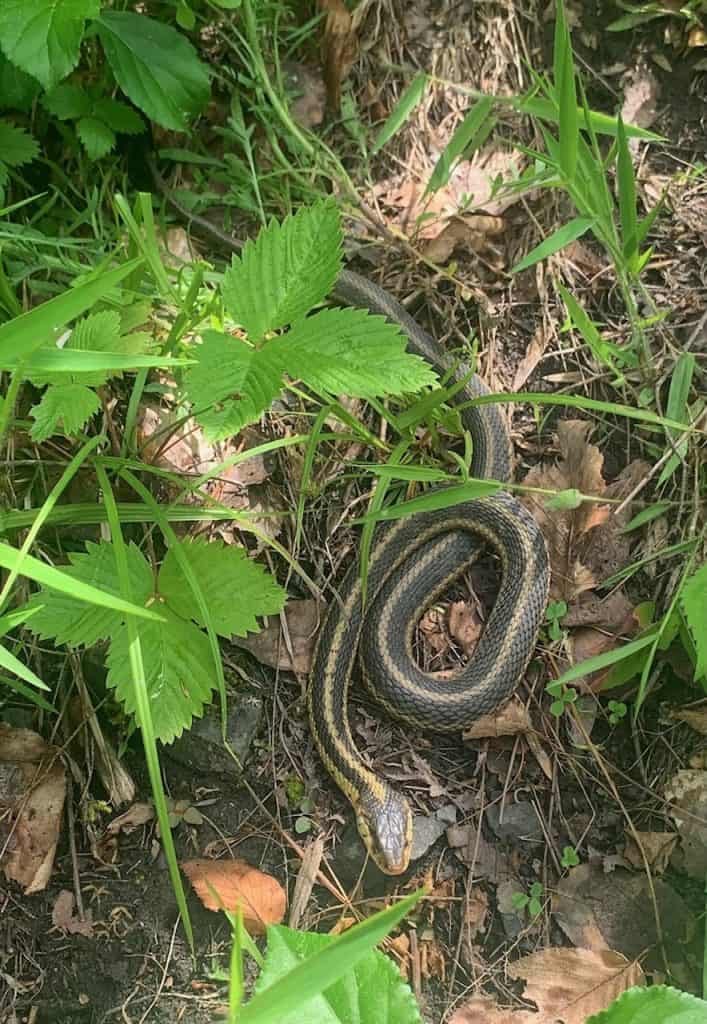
x,y
425,833
520,822
447,814
201,747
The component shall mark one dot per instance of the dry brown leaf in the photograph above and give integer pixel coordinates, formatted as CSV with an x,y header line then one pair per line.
x,y
269,646
687,794
695,716
434,629
485,859
339,48
465,233
615,622
63,916
465,625
306,877
657,847
177,248
476,911
308,102
433,962
32,794
135,817
641,93
533,355
228,884
511,719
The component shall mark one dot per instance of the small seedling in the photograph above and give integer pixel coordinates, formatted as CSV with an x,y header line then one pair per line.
x,y
617,711
532,899
556,610
563,695
570,859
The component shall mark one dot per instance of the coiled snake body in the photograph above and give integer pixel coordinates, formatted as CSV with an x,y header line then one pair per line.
x,y
412,561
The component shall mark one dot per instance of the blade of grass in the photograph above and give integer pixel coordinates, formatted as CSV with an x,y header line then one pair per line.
x,y
10,663
28,694
626,185
401,111
464,140
567,95
67,360
432,500
553,243
143,713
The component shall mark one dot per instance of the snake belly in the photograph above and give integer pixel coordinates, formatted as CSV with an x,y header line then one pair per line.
x,y
412,561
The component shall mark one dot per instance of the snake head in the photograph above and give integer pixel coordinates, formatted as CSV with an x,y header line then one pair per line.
x,y
384,823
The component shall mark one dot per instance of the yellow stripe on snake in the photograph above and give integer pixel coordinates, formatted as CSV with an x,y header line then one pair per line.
x,y
412,562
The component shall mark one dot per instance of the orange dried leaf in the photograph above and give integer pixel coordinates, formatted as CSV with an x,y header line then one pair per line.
x,y
229,884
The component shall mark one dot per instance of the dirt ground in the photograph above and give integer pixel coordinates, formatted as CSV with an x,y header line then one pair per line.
x,y
512,805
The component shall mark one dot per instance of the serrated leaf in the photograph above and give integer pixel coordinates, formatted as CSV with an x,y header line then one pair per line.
x,y
97,138
236,589
659,1004
65,406
349,351
402,110
17,147
288,269
43,37
155,66
693,605
179,672
67,102
231,384
119,116
64,619
372,992
17,88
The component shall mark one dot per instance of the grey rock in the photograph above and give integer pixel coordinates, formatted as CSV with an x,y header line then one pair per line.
x,y
201,747
425,833
519,823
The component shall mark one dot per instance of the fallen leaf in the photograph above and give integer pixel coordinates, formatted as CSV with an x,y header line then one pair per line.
x,y
307,93
135,817
465,625
587,642
687,794
614,911
484,859
339,48
533,355
270,646
657,847
176,248
32,794
695,716
306,877
465,233
433,627
476,910
228,884
63,916
509,720
433,962
566,985
641,91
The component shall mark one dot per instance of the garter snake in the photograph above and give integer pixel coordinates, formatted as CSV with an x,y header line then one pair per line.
x,y
412,561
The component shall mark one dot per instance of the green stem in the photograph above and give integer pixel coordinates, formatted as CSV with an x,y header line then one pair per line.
x,y
8,406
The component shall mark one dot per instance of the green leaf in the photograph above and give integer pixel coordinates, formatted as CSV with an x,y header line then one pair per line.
x,y
350,351
646,515
235,588
563,500
659,1004
693,605
17,147
10,663
68,405
97,138
373,992
289,985
599,661
627,197
566,89
62,618
24,334
554,242
461,141
67,102
17,89
49,361
178,672
156,67
402,110
67,583
598,347
232,383
119,116
43,37
680,384
443,497
285,271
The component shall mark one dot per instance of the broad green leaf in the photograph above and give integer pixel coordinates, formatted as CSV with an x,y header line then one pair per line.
x,y
24,334
43,37
659,1004
401,112
16,146
235,588
97,138
119,116
17,89
156,67
285,271
178,672
350,351
585,668
626,185
68,406
462,141
69,584
323,969
693,605
67,102
554,242
372,992
232,383
60,617
566,500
